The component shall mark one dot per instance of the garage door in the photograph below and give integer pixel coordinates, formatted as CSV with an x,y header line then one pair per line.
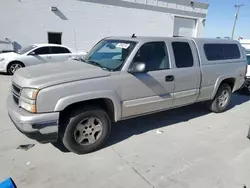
x,y
184,27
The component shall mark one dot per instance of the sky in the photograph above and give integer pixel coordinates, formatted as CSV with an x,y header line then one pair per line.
x,y
220,18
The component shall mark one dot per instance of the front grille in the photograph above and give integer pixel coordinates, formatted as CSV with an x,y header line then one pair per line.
x,y
16,90
16,99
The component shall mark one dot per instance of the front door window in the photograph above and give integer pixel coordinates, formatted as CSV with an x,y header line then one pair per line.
x,y
154,55
42,51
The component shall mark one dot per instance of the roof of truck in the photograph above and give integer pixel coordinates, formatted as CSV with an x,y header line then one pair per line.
x,y
146,39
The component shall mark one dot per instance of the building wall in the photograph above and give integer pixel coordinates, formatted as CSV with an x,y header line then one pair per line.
x,y
28,21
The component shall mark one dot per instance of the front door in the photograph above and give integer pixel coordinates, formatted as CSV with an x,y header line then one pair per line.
x,y
38,56
150,91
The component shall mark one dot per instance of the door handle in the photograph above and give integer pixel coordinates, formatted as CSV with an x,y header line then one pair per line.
x,y
169,78
49,57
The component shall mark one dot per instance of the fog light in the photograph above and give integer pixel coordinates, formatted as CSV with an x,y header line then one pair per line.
x,y
28,107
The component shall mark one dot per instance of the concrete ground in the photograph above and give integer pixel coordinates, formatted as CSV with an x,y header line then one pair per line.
x,y
183,148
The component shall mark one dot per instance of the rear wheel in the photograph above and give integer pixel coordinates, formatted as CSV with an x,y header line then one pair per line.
x,y
221,99
87,130
13,67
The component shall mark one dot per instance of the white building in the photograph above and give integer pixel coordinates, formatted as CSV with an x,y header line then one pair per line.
x,y
81,23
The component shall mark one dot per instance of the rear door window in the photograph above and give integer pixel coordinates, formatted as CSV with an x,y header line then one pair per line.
x,y
182,54
59,50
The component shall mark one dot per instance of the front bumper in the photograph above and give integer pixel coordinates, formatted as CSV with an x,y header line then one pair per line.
x,y
2,66
41,127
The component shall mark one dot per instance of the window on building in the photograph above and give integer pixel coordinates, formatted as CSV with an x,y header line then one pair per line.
x,y
221,51
54,38
182,54
42,51
59,50
154,55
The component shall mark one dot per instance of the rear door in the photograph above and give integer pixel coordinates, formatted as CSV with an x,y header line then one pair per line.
x,y
186,71
59,54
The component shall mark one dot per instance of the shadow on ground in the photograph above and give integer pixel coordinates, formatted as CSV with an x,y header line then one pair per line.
x,y
5,74
125,129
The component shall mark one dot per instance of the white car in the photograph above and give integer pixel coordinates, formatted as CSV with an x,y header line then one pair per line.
x,y
248,71
36,54
246,86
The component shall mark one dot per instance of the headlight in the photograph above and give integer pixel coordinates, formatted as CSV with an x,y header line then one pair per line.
x,y
1,59
28,99
29,93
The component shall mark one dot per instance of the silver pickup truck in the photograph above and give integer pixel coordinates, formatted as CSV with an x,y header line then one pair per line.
x,y
120,78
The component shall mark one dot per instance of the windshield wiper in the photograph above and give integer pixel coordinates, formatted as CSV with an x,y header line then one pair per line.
x,y
79,59
98,65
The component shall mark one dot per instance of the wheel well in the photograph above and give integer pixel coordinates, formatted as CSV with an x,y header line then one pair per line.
x,y
104,103
230,82
15,62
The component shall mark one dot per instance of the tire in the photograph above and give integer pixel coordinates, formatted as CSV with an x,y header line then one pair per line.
x,y
13,66
217,105
87,130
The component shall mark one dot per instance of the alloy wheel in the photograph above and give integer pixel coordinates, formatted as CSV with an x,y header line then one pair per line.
x,y
88,131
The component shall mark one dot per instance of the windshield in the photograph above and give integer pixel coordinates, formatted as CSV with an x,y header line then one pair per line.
x,y
110,54
26,49
248,59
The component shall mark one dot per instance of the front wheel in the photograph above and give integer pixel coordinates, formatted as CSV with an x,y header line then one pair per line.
x,y
221,100
13,67
87,130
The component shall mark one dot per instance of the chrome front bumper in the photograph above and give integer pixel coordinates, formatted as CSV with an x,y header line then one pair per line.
x,y
41,127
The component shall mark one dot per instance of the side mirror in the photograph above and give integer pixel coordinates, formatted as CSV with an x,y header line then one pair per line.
x,y
32,53
138,67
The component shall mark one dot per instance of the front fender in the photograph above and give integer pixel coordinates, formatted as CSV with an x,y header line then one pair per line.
x,y
113,96
8,61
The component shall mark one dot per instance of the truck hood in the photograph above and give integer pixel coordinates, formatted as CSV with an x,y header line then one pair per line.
x,y
40,76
